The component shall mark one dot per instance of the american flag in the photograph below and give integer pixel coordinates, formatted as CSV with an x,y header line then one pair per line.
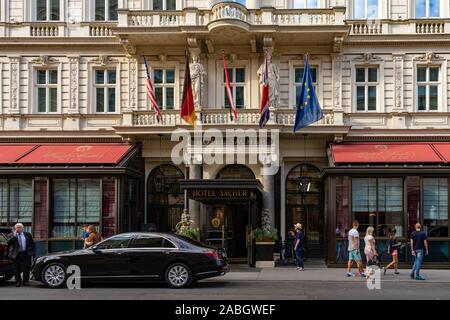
x,y
151,93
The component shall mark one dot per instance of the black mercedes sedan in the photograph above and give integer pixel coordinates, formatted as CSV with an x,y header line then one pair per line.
x,y
136,257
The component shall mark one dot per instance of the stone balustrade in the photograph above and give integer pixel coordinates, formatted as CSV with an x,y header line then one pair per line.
x,y
224,117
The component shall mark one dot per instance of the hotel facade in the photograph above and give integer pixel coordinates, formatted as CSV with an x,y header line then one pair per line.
x,y
80,144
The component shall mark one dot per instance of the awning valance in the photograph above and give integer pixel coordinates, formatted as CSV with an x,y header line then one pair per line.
x,y
391,153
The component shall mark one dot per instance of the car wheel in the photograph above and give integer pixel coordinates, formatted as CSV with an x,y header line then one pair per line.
x,y
178,275
5,277
54,275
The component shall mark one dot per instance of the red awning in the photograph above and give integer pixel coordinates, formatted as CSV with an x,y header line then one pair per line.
x,y
76,154
443,149
386,153
10,153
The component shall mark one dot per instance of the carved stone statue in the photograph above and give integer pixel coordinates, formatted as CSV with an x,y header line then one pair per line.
x,y
186,222
274,81
198,77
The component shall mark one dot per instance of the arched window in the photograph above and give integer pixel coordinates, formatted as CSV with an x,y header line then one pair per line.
x,y
236,172
165,198
303,178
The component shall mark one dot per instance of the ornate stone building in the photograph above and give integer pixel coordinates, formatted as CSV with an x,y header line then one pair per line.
x,y
79,143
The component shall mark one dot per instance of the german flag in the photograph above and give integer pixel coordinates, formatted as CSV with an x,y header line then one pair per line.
x,y
187,111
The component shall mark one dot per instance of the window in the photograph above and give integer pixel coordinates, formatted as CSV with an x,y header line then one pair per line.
x,y
298,78
428,88
16,202
151,242
47,10
76,203
435,207
237,83
304,4
366,88
378,202
116,242
428,8
164,84
164,4
47,90
106,10
366,9
105,91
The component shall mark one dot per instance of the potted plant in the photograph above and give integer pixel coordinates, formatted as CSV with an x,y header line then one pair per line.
x,y
265,238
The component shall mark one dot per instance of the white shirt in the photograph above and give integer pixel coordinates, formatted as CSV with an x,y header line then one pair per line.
x,y
351,235
367,240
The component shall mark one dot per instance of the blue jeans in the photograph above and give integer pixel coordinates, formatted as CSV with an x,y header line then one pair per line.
x,y
417,263
299,257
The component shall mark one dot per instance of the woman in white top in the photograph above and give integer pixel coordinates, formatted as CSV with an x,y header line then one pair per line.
x,y
370,249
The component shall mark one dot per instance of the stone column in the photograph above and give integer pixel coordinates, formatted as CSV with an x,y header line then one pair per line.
x,y
283,200
268,182
195,173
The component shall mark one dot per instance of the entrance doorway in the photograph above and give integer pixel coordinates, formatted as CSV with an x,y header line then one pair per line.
x,y
303,205
232,212
227,226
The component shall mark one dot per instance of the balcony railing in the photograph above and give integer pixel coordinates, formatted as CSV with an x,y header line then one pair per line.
x,y
407,27
223,117
232,11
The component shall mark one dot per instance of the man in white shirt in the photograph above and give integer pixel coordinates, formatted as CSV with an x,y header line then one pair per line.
x,y
354,253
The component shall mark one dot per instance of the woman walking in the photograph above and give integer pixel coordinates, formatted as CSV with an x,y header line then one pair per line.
x,y
299,246
393,248
370,250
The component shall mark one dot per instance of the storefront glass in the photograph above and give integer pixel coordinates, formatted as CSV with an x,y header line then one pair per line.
x,y
16,202
378,202
76,203
435,207
413,194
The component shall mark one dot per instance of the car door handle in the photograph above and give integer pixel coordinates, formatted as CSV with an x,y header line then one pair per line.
x,y
121,253
166,252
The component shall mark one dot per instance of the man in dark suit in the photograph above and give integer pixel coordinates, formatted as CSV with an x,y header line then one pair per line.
x,y
21,250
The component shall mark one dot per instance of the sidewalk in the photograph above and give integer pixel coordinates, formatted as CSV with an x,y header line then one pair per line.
x,y
319,273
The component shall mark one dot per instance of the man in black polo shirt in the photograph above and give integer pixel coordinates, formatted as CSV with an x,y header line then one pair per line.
x,y
419,246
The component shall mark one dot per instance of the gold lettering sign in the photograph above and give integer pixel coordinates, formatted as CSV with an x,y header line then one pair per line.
x,y
226,193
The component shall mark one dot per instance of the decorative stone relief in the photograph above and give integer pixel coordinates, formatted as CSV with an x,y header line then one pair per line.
x,y
74,64
128,46
337,80
398,80
14,67
103,60
44,61
429,58
133,79
368,58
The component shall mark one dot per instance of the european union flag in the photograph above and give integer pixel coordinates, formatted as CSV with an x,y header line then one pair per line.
x,y
308,109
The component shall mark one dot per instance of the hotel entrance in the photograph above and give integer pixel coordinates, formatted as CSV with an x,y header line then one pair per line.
x,y
227,226
232,211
